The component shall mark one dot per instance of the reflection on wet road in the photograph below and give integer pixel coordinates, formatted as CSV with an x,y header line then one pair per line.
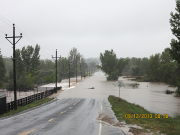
x,y
68,116
77,110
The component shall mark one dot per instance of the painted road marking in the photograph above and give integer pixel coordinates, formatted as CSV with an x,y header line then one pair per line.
x,y
25,133
61,112
75,104
50,120
69,107
100,126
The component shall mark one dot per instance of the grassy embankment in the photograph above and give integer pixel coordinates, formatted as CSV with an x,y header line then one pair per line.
x,y
170,126
31,105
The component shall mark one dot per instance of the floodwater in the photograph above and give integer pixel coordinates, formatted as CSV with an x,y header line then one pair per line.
x,y
149,95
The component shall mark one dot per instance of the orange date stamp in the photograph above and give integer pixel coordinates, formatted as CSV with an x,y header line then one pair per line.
x,y
145,116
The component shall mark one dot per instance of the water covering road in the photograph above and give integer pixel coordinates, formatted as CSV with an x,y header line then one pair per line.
x,y
150,95
72,113
78,111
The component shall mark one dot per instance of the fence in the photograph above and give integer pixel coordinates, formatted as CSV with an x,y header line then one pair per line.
x,y
26,100
2,103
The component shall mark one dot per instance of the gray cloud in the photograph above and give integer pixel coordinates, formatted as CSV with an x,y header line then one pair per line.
x,y
136,28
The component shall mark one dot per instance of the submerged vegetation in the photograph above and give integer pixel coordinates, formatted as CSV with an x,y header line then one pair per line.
x,y
131,85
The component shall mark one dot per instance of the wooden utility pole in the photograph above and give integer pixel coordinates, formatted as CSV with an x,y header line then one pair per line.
x,y
69,71
81,71
76,69
84,70
14,62
87,70
56,68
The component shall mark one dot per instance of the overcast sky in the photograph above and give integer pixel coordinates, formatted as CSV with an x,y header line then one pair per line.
x,y
132,28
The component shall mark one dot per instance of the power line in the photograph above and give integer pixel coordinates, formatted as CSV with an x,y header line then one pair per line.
x,y
29,39
20,31
27,65
6,44
38,69
6,19
6,22
3,32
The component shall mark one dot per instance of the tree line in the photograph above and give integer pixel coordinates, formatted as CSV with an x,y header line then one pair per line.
x,y
156,68
31,70
164,67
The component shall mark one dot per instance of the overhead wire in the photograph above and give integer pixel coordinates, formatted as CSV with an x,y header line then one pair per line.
x,y
6,19
2,32
6,22
31,41
28,65
24,34
36,68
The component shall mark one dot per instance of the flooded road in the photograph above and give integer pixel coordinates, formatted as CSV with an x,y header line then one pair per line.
x,y
149,95
84,109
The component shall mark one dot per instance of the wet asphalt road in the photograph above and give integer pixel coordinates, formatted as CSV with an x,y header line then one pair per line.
x,y
64,116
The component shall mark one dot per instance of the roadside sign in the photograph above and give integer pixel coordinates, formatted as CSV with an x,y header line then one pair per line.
x,y
120,84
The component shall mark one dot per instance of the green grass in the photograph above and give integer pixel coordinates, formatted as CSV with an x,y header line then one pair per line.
x,y
31,105
170,126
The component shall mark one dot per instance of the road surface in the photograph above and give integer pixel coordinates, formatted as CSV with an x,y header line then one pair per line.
x,y
67,115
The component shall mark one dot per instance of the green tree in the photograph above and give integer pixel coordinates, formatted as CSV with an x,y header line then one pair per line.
x,y
109,62
144,66
154,64
2,70
111,65
135,71
74,56
165,56
8,64
63,67
27,61
30,57
122,62
19,63
168,73
175,44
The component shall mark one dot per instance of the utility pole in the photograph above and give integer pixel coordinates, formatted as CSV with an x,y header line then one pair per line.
x,y
14,62
76,69
69,71
56,68
81,71
89,71
84,70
